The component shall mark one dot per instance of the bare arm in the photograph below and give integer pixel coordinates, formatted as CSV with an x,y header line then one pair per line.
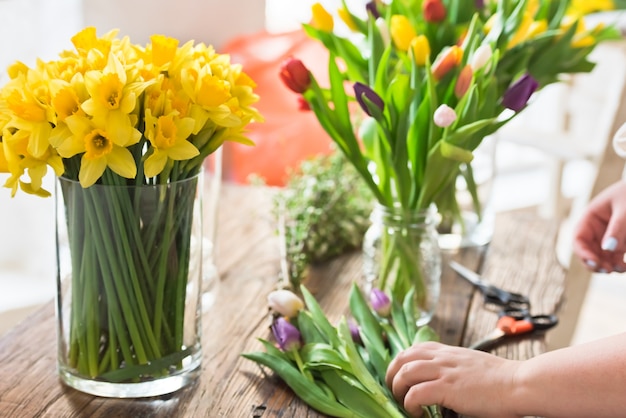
x,y
580,381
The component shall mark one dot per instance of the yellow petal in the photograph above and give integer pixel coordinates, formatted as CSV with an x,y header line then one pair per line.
x,y
91,170
154,164
122,162
182,150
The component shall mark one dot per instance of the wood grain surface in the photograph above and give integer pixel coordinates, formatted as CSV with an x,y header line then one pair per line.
x,y
520,258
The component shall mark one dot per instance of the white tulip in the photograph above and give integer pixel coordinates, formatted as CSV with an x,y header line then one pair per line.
x,y
285,302
481,56
444,116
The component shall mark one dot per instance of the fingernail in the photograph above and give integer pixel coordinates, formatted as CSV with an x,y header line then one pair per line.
x,y
619,269
603,271
591,264
609,244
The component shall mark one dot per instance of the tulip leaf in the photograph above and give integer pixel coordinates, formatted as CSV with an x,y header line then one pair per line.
x,y
424,334
319,318
310,393
309,330
456,153
323,356
353,395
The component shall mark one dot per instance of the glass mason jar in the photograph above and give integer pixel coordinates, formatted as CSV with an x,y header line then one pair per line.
x,y
129,275
401,256
465,207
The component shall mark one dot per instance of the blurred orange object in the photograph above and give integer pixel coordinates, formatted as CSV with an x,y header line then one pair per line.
x,y
288,135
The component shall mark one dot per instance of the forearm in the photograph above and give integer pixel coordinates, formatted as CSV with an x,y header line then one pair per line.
x,y
580,381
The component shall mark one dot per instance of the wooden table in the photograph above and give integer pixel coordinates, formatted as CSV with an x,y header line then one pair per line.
x,y
520,258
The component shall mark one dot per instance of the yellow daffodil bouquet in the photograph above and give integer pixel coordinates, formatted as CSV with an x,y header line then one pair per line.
x,y
416,85
126,129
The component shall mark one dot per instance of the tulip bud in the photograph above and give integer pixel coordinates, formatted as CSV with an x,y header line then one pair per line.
x,y
346,17
402,32
295,75
444,116
363,92
421,49
481,56
322,20
355,333
433,10
372,8
464,81
480,4
518,94
287,336
303,105
285,302
380,302
449,59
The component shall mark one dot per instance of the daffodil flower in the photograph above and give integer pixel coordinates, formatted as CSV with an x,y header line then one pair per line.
x,y
285,302
168,135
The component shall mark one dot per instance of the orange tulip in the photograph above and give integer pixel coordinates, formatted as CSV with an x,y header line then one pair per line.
x,y
464,81
447,61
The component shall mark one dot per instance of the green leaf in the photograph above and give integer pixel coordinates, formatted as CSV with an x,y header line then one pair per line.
x,y
310,393
319,318
353,395
424,334
323,356
453,152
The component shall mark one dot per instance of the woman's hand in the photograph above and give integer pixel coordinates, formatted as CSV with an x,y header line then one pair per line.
x,y
464,380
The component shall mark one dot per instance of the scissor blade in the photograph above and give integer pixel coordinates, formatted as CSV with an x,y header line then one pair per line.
x,y
468,274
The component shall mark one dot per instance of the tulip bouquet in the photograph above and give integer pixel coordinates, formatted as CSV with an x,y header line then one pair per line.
x,y
418,84
126,129
340,370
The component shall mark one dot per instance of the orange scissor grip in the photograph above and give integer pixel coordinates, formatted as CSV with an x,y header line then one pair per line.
x,y
512,326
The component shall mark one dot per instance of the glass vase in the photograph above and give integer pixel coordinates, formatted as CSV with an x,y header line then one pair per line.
x,y
401,256
129,278
466,213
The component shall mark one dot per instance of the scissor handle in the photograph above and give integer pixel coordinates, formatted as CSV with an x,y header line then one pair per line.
x,y
519,321
505,298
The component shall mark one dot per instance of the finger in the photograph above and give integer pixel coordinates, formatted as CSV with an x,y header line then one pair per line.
x,y
419,396
614,238
413,373
416,352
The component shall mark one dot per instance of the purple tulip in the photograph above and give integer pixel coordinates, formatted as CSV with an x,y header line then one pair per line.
x,y
373,9
362,91
380,302
517,96
480,4
287,335
355,333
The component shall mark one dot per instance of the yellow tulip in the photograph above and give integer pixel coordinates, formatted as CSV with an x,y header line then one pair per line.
x,y
421,49
346,18
402,32
322,20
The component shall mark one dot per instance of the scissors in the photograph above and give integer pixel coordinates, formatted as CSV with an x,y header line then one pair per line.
x,y
514,322
491,293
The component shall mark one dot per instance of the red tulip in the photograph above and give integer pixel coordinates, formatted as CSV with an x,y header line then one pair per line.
x,y
434,10
295,75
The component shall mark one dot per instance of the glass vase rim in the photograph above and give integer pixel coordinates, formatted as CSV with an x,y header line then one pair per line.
x,y
182,181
